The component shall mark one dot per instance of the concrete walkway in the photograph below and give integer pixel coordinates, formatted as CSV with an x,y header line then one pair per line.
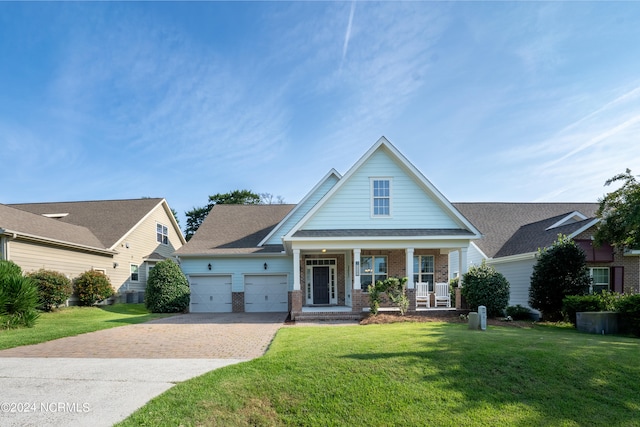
x,y
100,378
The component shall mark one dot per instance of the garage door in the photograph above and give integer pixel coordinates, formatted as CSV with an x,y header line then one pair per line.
x,y
266,294
210,294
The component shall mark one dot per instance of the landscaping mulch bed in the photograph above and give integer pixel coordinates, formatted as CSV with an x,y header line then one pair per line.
x,y
384,318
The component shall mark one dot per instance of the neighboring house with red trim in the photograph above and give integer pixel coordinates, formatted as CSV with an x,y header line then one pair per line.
x,y
122,238
513,233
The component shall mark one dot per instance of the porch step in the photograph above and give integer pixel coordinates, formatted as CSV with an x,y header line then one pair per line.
x,y
327,316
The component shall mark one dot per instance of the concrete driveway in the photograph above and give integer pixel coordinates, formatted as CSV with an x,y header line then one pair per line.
x,y
100,378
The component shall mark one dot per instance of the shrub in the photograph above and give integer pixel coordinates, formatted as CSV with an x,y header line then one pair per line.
x,y
483,285
629,308
91,287
9,268
396,290
604,301
18,299
54,288
167,289
518,312
559,272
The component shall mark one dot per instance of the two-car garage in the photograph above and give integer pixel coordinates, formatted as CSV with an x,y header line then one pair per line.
x,y
262,293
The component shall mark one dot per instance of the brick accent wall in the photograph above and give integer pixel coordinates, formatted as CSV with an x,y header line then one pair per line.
x,y
237,302
631,265
295,303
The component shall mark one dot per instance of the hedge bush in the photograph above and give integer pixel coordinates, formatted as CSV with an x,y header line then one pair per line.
x,y
629,308
18,297
91,287
167,289
604,301
54,288
518,312
483,285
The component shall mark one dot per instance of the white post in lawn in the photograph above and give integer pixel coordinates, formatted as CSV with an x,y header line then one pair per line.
x,y
482,314
356,269
409,268
296,269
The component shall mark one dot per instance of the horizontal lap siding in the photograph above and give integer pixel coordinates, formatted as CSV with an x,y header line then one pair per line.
x,y
350,206
32,256
518,274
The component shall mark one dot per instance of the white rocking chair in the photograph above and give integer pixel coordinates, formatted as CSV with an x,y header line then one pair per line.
x,y
422,294
442,295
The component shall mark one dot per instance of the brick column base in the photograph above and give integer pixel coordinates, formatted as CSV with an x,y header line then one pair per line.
x,y
237,302
411,294
461,303
295,303
356,301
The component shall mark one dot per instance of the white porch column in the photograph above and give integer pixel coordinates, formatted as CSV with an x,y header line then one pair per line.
x,y
296,269
462,264
356,269
409,268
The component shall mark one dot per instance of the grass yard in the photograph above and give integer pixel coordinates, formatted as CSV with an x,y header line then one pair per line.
x,y
415,374
71,321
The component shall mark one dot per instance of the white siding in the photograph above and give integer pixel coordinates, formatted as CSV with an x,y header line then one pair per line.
x,y
411,206
518,274
302,210
238,267
474,257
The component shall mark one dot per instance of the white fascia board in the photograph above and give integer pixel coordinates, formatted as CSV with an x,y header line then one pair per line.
x,y
251,255
407,165
34,238
484,256
512,258
584,228
276,229
167,210
376,244
566,218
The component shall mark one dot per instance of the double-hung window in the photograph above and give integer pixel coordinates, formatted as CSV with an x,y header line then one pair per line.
x,y
423,270
600,279
135,277
372,269
162,234
380,197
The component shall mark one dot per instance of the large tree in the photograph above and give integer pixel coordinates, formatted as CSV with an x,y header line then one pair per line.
x,y
237,197
619,214
561,270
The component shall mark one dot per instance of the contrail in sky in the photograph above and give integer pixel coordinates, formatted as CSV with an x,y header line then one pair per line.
x,y
347,36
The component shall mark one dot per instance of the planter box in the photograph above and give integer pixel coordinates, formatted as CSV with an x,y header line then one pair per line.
x,y
597,322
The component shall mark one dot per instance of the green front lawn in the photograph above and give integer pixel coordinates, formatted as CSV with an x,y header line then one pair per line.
x,y
416,374
71,321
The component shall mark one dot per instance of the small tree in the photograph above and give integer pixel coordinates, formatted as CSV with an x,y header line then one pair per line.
x,y
483,285
92,286
559,272
54,288
619,212
396,290
167,289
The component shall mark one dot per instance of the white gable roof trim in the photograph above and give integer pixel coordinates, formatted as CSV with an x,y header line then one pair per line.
x,y
407,165
572,217
278,228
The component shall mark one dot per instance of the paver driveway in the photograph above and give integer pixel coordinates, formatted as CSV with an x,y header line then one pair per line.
x,y
101,377
188,336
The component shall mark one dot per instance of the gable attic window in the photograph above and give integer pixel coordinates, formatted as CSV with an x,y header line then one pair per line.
x,y
162,234
381,197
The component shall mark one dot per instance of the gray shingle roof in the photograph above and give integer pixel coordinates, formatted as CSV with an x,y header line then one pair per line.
x,y
236,229
514,228
27,223
108,220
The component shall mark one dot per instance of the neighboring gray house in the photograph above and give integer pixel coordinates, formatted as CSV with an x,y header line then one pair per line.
x,y
122,238
512,233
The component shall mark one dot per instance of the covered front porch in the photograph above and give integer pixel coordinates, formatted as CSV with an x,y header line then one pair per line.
x,y
332,281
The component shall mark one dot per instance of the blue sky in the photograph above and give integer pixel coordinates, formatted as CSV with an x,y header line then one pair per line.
x,y
492,101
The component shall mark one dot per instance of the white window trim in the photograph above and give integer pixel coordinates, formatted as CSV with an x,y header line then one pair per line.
x,y
130,273
594,284
373,272
163,227
381,178
419,273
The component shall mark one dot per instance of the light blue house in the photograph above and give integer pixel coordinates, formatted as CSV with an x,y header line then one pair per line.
x,y
382,218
